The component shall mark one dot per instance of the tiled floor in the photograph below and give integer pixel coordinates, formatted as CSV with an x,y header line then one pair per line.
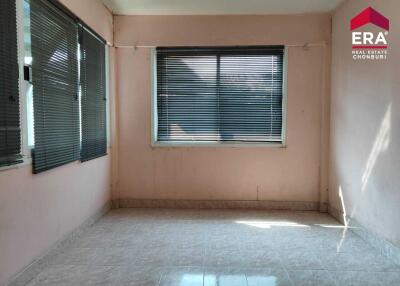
x,y
218,248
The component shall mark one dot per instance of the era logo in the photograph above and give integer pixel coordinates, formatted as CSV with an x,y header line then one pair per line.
x,y
369,40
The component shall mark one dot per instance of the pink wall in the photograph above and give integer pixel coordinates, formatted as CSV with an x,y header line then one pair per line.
x,y
95,14
281,174
365,125
38,210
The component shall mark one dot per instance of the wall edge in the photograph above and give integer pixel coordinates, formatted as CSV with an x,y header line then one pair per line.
x,y
385,247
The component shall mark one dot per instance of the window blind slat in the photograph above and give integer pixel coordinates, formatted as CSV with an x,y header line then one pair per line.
x,y
10,140
220,94
54,38
94,125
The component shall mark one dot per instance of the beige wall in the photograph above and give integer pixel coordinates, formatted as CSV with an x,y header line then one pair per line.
x,y
365,126
38,210
281,174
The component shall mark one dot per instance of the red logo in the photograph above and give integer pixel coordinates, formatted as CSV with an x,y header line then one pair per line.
x,y
369,15
369,40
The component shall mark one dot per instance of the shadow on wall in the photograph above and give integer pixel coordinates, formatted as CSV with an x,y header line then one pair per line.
x,y
380,145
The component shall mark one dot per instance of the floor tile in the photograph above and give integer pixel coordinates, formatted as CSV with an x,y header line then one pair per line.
x,y
260,258
361,278
95,239
68,275
140,276
182,276
187,257
113,256
311,278
223,258
98,276
300,260
224,277
390,278
267,277
62,275
363,261
76,256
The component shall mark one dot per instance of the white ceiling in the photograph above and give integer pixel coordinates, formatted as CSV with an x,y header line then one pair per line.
x,y
219,7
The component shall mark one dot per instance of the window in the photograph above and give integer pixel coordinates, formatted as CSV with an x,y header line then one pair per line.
x,y
55,87
10,133
93,95
219,95
63,109
67,93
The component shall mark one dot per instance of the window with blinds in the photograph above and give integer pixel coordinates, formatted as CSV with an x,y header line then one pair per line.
x,y
10,134
93,96
54,39
221,94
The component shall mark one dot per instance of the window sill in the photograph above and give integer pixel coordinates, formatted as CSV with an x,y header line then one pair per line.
x,y
189,144
27,161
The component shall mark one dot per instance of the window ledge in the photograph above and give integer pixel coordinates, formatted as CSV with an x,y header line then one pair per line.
x,y
26,161
190,144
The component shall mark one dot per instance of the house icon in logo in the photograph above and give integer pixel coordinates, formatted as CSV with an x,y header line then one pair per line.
x,y
369,15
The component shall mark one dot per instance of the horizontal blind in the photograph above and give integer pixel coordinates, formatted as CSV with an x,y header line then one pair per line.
x,y
228,94
10,134
92,76
55,86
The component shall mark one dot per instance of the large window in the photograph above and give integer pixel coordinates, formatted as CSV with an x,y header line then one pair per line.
x,y
219,95
63,114
67,62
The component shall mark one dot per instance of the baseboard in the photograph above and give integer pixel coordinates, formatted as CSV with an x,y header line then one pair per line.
x,y
115,204
323,207
387,248
338,215
217,204
37,265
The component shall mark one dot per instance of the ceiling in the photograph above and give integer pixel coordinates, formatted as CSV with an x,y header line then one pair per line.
x,y
219,7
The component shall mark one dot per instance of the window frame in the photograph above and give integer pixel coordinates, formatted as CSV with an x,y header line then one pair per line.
x,y
173,144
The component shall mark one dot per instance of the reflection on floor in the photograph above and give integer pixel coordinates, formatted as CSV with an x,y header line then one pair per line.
x,y
218,248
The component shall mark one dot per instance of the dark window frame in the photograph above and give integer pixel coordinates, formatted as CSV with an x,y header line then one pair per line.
x,y
215,143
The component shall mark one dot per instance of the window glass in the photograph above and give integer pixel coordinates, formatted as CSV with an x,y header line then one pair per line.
x,y
224,94
28,62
